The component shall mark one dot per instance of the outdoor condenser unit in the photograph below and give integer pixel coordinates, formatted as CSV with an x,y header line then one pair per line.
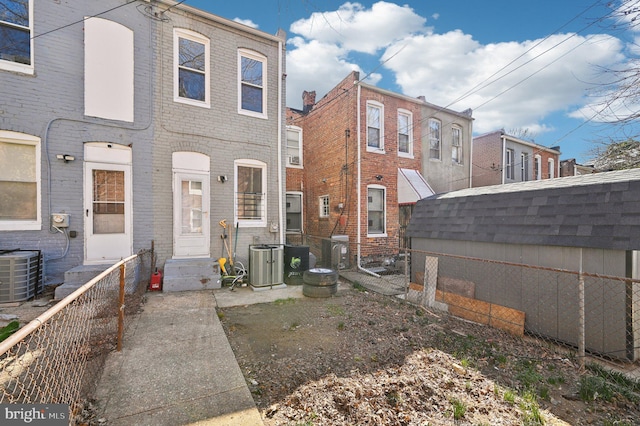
x,y
21,273
266,265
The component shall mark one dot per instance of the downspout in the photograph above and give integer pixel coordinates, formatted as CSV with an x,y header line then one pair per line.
x,y
280,117
471,154
504,158
358,188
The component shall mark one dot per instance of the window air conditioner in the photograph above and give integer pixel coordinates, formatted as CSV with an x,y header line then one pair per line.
x,y
294,160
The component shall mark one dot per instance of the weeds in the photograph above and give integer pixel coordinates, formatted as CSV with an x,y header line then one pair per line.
x,y
287,301
459,409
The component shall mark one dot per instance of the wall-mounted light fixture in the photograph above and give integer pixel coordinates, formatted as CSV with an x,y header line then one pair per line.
x,y
222,178
65,157
379,177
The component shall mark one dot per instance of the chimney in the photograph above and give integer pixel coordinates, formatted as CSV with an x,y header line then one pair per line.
x,y
308,101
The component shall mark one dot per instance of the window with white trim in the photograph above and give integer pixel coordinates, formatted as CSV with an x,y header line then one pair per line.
x,y
19,181
508,164
294,212
456,145
551,165
323,201
537,167
250,191
405,132
435,134
191,68
294,146
524,167
16,40
252,99
376,201
375,126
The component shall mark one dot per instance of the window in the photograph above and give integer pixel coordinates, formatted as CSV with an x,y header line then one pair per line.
x,y
324,205
405,132
294,146
524,167
434,139
191,68
251,92
509,166
456,145
19,181
537,167
294,212
16,47
375,210
375,139
251,177
551,164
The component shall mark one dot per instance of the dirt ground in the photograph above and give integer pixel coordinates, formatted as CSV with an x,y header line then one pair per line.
x,y
363,358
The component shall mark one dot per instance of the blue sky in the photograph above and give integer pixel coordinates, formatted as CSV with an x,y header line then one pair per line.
x,y
518,65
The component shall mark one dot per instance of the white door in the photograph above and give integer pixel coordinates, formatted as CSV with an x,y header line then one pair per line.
x,y
191,214
108,235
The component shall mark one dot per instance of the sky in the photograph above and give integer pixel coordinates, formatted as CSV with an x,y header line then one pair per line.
x,y
536,69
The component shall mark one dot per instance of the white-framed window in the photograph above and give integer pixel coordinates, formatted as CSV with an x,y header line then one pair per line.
x,y
376,211
375,126
16,40
435,138
405,133
191,75
456,145
252,96
323,202
294,146
524,167
537,167
294,212
551,165
250,193
509,164
19,182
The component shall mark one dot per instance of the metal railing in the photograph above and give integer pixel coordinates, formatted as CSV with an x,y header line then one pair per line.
x,y
58,357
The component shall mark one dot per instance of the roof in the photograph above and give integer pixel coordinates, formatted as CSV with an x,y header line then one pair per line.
x,y
412,186
599,210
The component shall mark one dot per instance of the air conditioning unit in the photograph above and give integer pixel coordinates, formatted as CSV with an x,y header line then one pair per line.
x,y
21,273
294,160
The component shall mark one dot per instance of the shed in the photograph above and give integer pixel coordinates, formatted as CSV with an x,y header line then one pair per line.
x,y
589,223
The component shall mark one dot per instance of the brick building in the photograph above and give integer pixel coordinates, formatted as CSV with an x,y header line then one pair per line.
x,y
366,157
501,158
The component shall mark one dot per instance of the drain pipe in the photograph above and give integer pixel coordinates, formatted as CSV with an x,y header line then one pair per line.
x,y
358,188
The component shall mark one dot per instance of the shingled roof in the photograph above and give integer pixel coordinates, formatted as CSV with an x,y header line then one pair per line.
x,y
600,210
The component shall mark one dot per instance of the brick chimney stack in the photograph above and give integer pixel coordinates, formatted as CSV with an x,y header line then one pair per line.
x,y
308,101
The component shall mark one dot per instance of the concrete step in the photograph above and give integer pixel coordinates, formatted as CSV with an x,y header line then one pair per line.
x,y
191,274
76,277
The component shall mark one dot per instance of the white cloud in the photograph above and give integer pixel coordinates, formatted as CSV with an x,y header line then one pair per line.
x,y
358,29
247,22
546,76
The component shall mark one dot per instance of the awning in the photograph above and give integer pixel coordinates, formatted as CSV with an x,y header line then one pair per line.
x,y
412,186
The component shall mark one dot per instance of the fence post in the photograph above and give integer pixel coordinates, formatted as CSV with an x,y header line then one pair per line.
x,y
121,308
581,319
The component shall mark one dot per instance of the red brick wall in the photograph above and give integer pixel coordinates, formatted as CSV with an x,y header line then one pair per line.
x,y
487,160
330,163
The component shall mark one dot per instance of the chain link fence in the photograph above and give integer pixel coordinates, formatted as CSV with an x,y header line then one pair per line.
x,y
590,318
58,357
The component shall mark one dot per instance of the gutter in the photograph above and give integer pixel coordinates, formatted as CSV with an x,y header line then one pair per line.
x,y
280,117
504,158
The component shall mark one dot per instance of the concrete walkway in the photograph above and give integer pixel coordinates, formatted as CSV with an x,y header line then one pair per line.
x,y
177,367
